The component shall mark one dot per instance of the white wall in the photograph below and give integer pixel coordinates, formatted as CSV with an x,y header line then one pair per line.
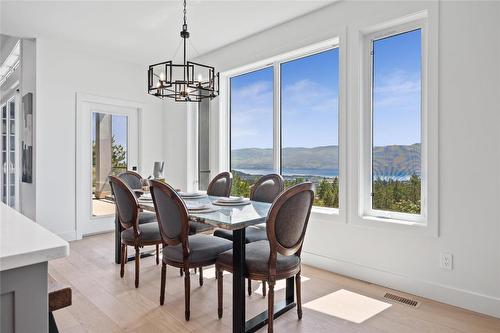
x,y
63,70
28,85
469,138
175,129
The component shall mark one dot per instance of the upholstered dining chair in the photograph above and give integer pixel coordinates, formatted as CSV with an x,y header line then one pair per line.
x,y
220,186
266,189
278,257
134,234
182,250
134,181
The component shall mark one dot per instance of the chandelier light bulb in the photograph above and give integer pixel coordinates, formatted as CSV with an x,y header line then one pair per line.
x,y
162,76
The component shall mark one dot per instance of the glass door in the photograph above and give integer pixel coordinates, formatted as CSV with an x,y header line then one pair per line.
x,y
13,187
109,158
9,185
3,161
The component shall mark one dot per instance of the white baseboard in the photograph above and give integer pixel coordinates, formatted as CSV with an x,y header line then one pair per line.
x,y
454,296
68,236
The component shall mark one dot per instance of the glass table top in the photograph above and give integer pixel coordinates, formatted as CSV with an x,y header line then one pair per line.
x,y
225,217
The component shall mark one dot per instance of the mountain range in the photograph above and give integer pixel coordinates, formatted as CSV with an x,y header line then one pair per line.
x,y
393,160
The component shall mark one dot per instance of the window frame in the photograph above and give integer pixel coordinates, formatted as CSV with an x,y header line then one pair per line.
x,y
366,210
321,213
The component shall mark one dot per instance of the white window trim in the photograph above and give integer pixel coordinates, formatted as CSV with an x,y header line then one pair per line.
x,y
320,213
427,222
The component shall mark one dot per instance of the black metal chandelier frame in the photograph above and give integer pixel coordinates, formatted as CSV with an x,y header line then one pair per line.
x,y
192,86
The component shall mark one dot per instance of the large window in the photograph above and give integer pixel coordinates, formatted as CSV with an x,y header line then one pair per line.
x,y
395,176
309,124
251,128
297,136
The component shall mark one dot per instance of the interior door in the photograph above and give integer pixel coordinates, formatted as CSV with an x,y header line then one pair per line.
x,y
108,144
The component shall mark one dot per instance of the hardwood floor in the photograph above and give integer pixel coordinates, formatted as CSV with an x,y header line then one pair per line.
x,y
102,302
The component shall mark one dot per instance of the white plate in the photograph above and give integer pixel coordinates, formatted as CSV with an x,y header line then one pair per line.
x,y
230,200
191,194
237,203
198,207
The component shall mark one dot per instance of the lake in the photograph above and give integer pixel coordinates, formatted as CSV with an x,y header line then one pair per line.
x,y
327,173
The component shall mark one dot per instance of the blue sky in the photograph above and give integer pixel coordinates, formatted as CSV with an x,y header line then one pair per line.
x,y
310,98
397,90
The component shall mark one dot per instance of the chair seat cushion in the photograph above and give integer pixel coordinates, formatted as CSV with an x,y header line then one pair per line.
x,y
147,232
146,217
252,234
197,227
202,248
257,257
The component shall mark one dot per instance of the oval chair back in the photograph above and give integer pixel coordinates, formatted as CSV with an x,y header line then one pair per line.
x,y
172,215
132,179
126,203
287,222
220,186
267,188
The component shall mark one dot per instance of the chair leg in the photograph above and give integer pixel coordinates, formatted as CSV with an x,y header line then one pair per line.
x,y
264,289
201,276
52,324
270,307
137,258
181,272
187,293
249,287
298,288
123,260
219,292
157,254
163,280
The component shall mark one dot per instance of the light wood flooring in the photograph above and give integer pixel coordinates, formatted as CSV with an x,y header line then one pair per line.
x,y
103,302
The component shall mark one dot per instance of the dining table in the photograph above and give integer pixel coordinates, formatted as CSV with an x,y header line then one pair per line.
x,y
235,218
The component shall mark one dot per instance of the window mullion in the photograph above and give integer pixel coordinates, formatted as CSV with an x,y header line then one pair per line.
x,y
277,118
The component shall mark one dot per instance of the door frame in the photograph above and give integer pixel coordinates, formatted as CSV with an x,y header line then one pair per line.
x,y
81,189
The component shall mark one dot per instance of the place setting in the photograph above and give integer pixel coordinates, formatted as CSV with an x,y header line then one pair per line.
x,y
231,201
200,208
192,195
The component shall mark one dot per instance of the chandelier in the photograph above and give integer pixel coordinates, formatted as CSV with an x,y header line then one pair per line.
x,y
186,82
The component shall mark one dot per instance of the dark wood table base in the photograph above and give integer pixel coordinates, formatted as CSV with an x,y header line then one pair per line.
x,y
261,319
239,294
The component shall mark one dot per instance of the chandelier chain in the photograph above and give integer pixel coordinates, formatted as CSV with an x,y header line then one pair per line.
x,y
184,12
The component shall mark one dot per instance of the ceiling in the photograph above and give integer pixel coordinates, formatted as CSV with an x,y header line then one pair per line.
x,y
148,31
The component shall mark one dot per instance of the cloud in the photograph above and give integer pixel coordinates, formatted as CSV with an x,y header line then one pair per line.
x,y
307,95
254,90
400,90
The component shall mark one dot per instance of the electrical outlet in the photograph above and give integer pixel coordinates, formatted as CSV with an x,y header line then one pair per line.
x,y
447,261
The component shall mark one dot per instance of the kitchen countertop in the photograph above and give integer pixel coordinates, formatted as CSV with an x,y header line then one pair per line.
x,y
23,242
